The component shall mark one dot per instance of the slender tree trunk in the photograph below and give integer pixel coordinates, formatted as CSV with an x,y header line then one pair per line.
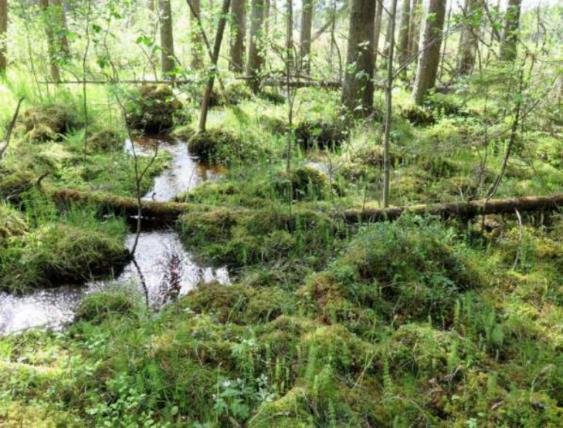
x,y
60,18
305,42
267,11
469,39
238,31
404,34
357,90
445,42
510,35
414,30
215,58
51,44
389,105
255,54
166,38
429,59
195,38
377,30
3,35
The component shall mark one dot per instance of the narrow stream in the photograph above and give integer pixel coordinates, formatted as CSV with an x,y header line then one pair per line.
x,y
53,308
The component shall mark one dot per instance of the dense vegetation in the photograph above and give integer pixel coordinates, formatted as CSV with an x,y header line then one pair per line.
x,y
421,321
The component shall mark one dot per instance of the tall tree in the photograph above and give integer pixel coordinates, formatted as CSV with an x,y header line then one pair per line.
x,y
414,36
429,59
3,35
166,37
469,39
59,15
357,89
238,31
388,106
305,40
404,33
255,54
510,35
377,29
195,35
214,59
51,42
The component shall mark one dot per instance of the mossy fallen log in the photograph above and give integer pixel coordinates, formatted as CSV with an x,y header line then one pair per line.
x,y
163,211
459,209
169,211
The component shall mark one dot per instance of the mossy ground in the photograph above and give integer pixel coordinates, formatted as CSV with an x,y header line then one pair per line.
x,y
412,323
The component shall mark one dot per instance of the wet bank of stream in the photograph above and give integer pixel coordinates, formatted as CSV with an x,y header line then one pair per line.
x,y
53,308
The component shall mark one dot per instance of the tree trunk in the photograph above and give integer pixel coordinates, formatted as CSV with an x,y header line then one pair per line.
x,y
195,35
510,35
404,34
414,30
166,38
305,42
255,54
389,104
377,30
238,31
430,56
357,90
3,35
463,210
51,43
60,18
469,39
215,58
168,211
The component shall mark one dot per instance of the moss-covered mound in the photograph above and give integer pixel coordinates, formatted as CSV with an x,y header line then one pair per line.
x,y
319,134
47,122
304,182
106,140
57,255
12,223
14,182
417,115
216,146
234,93
389,264
96,307
152,109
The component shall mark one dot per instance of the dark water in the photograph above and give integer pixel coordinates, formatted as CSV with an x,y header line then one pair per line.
x,y
54,308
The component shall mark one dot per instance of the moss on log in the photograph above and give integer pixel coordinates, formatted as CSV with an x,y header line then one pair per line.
x,y
459,209
168,211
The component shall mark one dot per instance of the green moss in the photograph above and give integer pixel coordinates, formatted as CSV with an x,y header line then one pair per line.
x,y
320,135
291,410
215,146
56,255
304,182
151,109
99,306
107,140
14,182
47,122
12,223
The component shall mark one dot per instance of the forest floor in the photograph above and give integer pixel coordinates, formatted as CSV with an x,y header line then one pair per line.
x,y
420,321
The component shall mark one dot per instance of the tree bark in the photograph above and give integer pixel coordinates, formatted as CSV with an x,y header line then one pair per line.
x,y
430,56
195,35
51,43
305,41
389,104
357,90
3,35
166,38
255,54
238,31
508,48
215,58
469,39
404,34
60,18
414,30
377,30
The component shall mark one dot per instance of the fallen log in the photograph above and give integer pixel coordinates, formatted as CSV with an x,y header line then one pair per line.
x,y
165,212
464,210
168,211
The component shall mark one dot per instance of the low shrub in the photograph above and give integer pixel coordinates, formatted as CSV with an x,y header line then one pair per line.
x,y
47,122
152,109
321,135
